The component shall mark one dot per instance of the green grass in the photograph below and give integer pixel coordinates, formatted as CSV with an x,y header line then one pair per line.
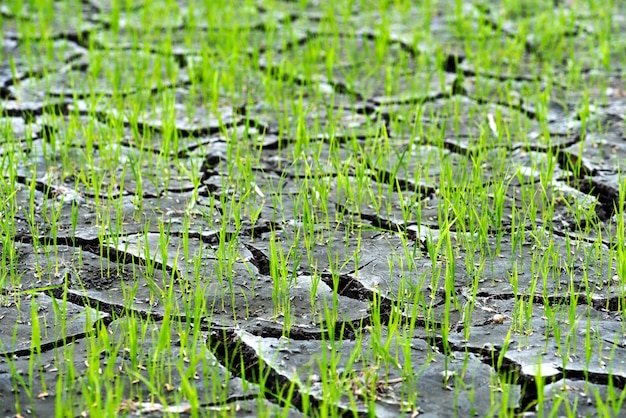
x,y
334,128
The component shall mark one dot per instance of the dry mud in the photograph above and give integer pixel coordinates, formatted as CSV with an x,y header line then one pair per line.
x,y
77,264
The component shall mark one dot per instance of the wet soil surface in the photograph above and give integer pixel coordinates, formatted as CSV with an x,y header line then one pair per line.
x,y
65,258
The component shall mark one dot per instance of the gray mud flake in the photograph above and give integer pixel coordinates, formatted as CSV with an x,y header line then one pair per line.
x,y
600,152
61,19
568,395
196,370
189,112
16,129
300,362
117,73
560,347
19,57
57,322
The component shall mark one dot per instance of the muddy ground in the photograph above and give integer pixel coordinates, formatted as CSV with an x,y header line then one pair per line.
x,y
73,259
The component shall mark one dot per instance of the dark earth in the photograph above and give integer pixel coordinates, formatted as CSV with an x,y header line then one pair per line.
x,y
68,258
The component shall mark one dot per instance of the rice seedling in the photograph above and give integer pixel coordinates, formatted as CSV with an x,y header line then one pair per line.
x,y
430,194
